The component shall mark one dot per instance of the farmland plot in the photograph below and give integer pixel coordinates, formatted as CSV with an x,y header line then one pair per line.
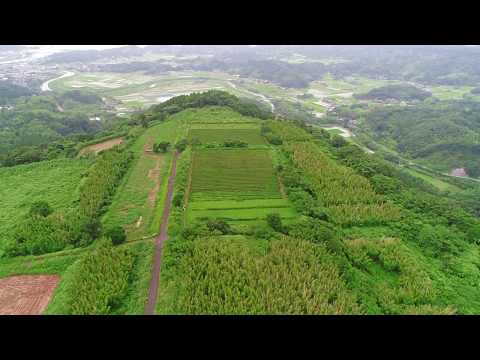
x,y
239,186
102,146
237,174
27,294
249,136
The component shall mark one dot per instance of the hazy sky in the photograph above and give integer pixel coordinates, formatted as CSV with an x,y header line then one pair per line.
x,y
77,47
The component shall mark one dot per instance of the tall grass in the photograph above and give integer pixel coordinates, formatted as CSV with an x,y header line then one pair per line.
x,y
294,277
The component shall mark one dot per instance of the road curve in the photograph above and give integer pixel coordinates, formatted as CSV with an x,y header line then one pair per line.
x,y
261,96
45,86
159,240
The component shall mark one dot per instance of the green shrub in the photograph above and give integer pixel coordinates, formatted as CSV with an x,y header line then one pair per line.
x,y
161,147
275,222
100,280
178,199
40,208
181,145
218,225
117,235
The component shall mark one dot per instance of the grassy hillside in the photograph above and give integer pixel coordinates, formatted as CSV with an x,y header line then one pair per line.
x,y
378,248
56,182
267,217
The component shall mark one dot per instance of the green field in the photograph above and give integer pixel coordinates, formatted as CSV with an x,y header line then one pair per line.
x,y
444,92
249,136
237,174
219,117
236,184
139,90
239,186
138,203
239,211
439,184
55,181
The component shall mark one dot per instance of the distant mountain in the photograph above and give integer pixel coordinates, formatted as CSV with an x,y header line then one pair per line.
x,y
93,55
401,92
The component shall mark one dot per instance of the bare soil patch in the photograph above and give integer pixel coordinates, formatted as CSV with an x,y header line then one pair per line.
x,y
26,294
154,175
105,145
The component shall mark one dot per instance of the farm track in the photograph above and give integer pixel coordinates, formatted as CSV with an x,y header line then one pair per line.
x,y
101,146
160,239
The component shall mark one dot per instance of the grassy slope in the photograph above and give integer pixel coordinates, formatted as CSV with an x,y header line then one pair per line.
x,y
392,274
439,184
54,175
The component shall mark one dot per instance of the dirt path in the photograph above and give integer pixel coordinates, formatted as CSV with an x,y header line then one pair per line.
x,y
160,239
104,145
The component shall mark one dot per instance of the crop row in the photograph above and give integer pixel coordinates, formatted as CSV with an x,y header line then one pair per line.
x,y
294,277
335,184
238,172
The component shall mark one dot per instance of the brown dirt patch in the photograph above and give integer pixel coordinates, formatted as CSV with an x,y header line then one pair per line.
x,y
26,294
154,175
148,147
96,148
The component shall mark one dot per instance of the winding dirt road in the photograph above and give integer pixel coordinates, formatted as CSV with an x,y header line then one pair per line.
x,y
159,240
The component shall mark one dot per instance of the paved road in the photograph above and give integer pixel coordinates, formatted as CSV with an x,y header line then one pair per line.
x,y
45,86
160,239
263,97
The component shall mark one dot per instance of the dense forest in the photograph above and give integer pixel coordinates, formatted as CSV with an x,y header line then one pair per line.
x,y
444,134
10,92
396,92
44,127
209,98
